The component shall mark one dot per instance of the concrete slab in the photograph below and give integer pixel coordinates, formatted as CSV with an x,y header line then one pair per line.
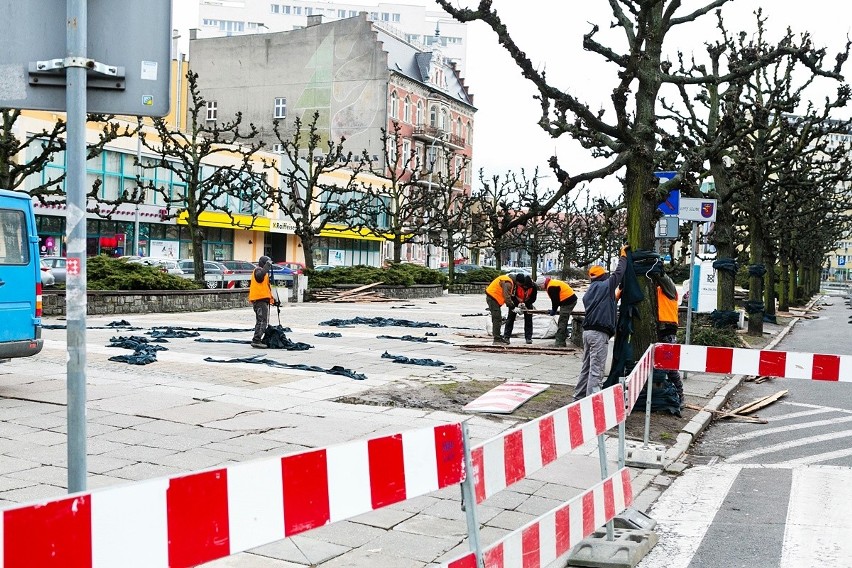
x,y
626,550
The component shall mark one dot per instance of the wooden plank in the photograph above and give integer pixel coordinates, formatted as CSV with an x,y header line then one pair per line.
x,y
759,403
723,414
359,289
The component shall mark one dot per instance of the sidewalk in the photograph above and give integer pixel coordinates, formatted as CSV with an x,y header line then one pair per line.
x,y
184,414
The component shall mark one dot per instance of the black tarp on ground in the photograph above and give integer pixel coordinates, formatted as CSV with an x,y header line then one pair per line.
x,y
263,360
379,322
402,359
143,352
171,333
328,334
414,339
134,341
274,338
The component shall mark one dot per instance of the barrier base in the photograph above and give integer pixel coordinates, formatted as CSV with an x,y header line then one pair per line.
x,y
637,456
625,550
632,518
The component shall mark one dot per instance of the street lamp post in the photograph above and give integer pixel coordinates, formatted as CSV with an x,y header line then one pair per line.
x,y
432,160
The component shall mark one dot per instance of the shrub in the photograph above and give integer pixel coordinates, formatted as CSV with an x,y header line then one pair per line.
x,y
484,274
678,272
705,333
396,275
105,273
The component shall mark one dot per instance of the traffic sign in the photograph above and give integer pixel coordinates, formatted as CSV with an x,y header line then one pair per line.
x,y
671,206
128,56
694,209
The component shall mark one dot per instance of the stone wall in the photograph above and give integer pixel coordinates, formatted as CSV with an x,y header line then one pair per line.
x,y
148,301
475,288
399,292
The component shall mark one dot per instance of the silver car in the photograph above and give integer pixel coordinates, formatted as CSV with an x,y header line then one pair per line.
x,y
57,266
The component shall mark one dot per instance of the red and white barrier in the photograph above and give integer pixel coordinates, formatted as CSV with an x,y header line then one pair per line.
x,y
191,519
728,361
512,455
544,540
638,378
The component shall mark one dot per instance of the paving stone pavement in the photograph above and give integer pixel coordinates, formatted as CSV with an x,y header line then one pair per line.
x,y
183,414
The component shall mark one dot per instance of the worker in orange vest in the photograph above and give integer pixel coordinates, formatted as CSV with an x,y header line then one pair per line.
x,y
260,296
667,320
525,296
500,292
562,299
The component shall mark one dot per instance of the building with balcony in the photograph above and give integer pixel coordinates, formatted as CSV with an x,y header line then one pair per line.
x,y
361,79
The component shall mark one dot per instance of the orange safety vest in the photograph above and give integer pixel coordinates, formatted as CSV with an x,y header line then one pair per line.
x,y
565,291
523,293
260,290
666,308
495,289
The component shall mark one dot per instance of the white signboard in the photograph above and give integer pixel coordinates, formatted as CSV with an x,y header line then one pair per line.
x,y
336,257
695,209
282,226
164,249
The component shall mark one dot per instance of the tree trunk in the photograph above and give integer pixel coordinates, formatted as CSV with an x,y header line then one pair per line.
x,y
723,237
308,243
451,262
755,288
769,291
784,286
397,248
197,239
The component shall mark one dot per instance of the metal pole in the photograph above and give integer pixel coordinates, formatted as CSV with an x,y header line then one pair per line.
x,y
649,391
604,475
693,245
76,11
469,501
138,173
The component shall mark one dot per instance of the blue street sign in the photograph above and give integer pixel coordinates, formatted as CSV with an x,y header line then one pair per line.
x,y
671,206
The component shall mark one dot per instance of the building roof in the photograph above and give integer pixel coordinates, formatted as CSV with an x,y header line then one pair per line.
x,y
407,60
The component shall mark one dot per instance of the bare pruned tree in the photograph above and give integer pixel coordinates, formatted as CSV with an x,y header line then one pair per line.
x,y
319,189
393,207
195,157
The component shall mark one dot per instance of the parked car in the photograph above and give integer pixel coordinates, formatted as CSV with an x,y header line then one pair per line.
x,y
57,266
283,273
47,277
168,265
294,267
322,267
211,268
240,267
460,268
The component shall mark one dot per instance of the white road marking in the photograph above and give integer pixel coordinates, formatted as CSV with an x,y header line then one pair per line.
x,y
818,523
788,445
817,458
803,413
790,428
685,511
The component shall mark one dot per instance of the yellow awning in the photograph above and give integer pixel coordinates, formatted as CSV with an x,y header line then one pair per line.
x,y
222,220
360,234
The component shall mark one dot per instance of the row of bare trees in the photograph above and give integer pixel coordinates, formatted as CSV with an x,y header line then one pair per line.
x,y
741,115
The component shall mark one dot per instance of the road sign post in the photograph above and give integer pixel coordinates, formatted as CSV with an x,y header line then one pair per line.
x,y
697,211
129,65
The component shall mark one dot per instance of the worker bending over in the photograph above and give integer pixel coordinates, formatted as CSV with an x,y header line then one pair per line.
x,y
562,299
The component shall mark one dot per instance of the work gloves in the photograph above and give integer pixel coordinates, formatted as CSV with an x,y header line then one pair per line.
x,y
552,312
624,250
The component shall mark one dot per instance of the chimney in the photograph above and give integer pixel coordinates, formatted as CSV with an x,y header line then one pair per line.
x,y
314,20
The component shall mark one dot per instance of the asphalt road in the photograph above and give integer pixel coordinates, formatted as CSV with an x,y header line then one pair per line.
x,y
776,494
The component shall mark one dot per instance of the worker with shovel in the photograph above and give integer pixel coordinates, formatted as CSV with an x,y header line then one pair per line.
x,y
260,297
563,299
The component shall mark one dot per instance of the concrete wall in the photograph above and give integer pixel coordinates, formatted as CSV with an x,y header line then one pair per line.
x,y
399,292
337,68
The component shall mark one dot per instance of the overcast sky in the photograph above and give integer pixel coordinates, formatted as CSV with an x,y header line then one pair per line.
x,y
507,136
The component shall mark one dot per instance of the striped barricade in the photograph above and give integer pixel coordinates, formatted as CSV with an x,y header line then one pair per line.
x,y
542,541
190,519
638,377
729,360
512,455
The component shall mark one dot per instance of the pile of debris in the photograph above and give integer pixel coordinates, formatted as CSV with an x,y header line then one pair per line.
x,y
361,294
742,413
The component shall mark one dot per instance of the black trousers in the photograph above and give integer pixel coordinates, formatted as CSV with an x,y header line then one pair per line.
x,y
261,319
